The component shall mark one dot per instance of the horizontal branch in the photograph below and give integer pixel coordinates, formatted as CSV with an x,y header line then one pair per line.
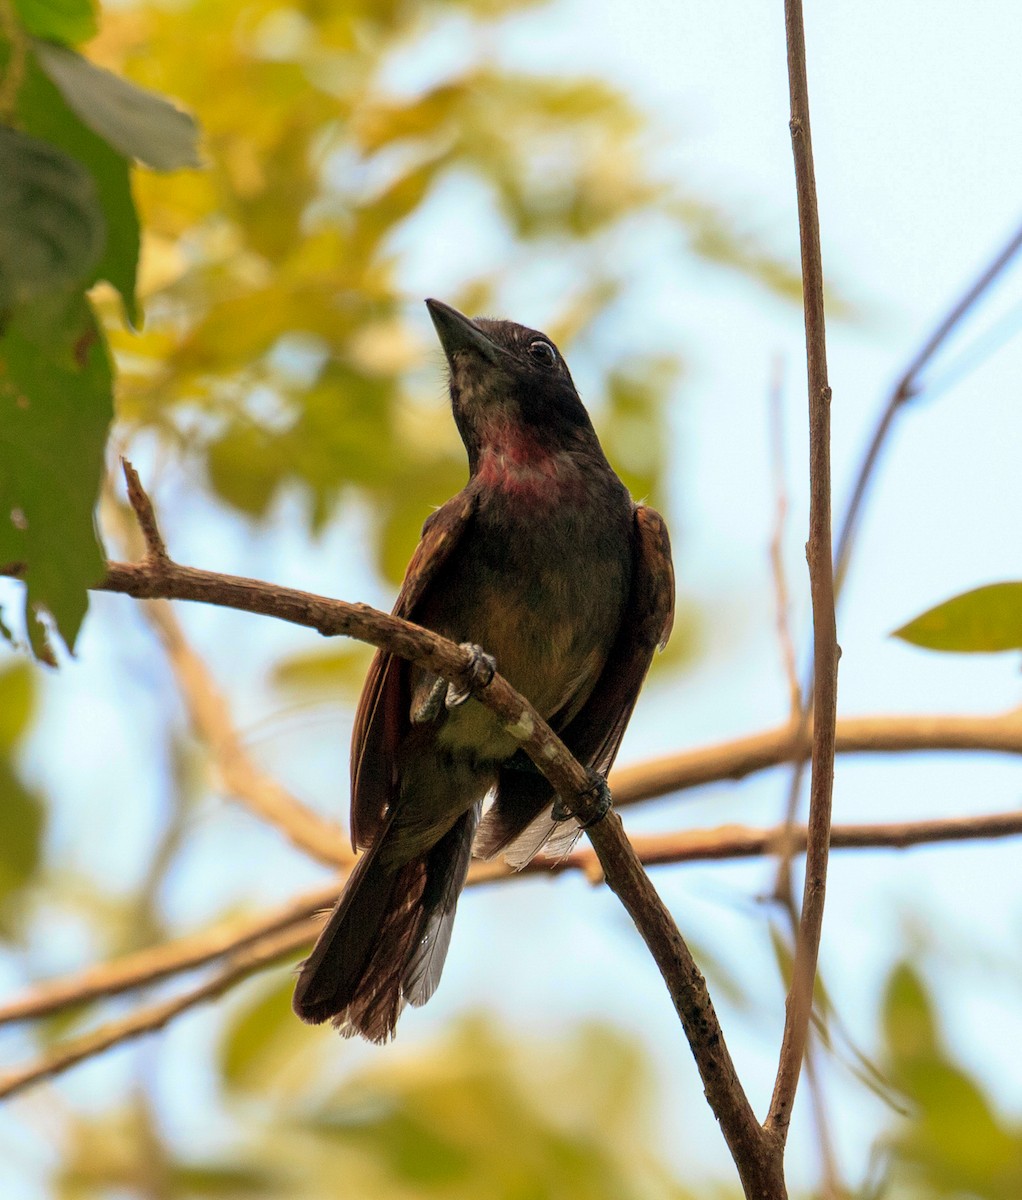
x,y
192,951
999,734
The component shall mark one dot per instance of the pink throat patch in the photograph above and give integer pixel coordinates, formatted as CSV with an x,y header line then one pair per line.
x,y
515,461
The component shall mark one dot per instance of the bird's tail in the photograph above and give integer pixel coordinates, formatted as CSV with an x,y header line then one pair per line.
x,y
386,941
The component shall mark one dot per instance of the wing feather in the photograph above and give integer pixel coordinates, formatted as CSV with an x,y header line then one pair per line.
x,y
383,708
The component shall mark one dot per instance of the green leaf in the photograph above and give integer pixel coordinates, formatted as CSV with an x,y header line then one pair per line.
x,y
55,408
909,1022
52,230
953,1141
983,621
17,703
138,123
264,1040
43,113
70,21
338,672
244,470
21,832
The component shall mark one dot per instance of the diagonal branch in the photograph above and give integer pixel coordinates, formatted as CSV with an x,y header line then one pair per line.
x,y
240,777
158,577
909,386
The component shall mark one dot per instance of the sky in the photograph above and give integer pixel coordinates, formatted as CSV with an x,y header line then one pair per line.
x,y
917,128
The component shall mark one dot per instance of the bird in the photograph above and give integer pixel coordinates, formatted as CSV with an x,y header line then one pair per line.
x,y
549,571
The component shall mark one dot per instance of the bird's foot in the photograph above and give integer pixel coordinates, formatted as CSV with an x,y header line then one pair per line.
x,y
591,806
429,709
481,671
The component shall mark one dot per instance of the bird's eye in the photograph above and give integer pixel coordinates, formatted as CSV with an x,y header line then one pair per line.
x,y
543,353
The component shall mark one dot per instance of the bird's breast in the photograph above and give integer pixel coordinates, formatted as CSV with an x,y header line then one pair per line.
x,y
541,586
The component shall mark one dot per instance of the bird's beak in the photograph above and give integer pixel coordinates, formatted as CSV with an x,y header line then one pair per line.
x,y
457,332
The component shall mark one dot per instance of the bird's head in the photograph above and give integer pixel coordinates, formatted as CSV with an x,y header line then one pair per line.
x,y
510,387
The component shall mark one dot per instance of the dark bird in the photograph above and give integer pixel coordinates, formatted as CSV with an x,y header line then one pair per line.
x,y
544,561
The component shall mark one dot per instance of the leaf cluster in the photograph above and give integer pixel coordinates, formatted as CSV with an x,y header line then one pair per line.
x,y
69,132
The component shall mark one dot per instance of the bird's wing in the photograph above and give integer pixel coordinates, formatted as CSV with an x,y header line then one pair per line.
x,y
594,735
383,707
519,821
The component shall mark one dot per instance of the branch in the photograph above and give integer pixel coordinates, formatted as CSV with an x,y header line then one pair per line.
x,y
821,584
150,1018
908,387
210,717
293,920
158,577
149,966
999,734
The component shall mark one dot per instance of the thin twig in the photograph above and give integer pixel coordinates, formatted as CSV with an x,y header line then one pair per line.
x,y
997,734
821,584
156,550
146,967
908,387
240,777
782,601
799,713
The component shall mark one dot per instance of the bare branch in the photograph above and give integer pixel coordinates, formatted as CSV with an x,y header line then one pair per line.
x,y
145,967
908,387
156,549
998,734
821,584
239,776
782,603
297,928
152,1017
741,841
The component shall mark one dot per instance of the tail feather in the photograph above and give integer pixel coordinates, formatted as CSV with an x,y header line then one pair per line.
x,y
518,823
386,941
521,797
445,878
377,997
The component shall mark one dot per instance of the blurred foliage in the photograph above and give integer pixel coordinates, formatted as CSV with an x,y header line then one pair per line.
x,y
462,1117
982,621
953,1145
277,354
21,808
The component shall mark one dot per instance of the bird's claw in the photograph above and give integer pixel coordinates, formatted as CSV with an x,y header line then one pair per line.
x,y
430,707
442,694
481,671
589,807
